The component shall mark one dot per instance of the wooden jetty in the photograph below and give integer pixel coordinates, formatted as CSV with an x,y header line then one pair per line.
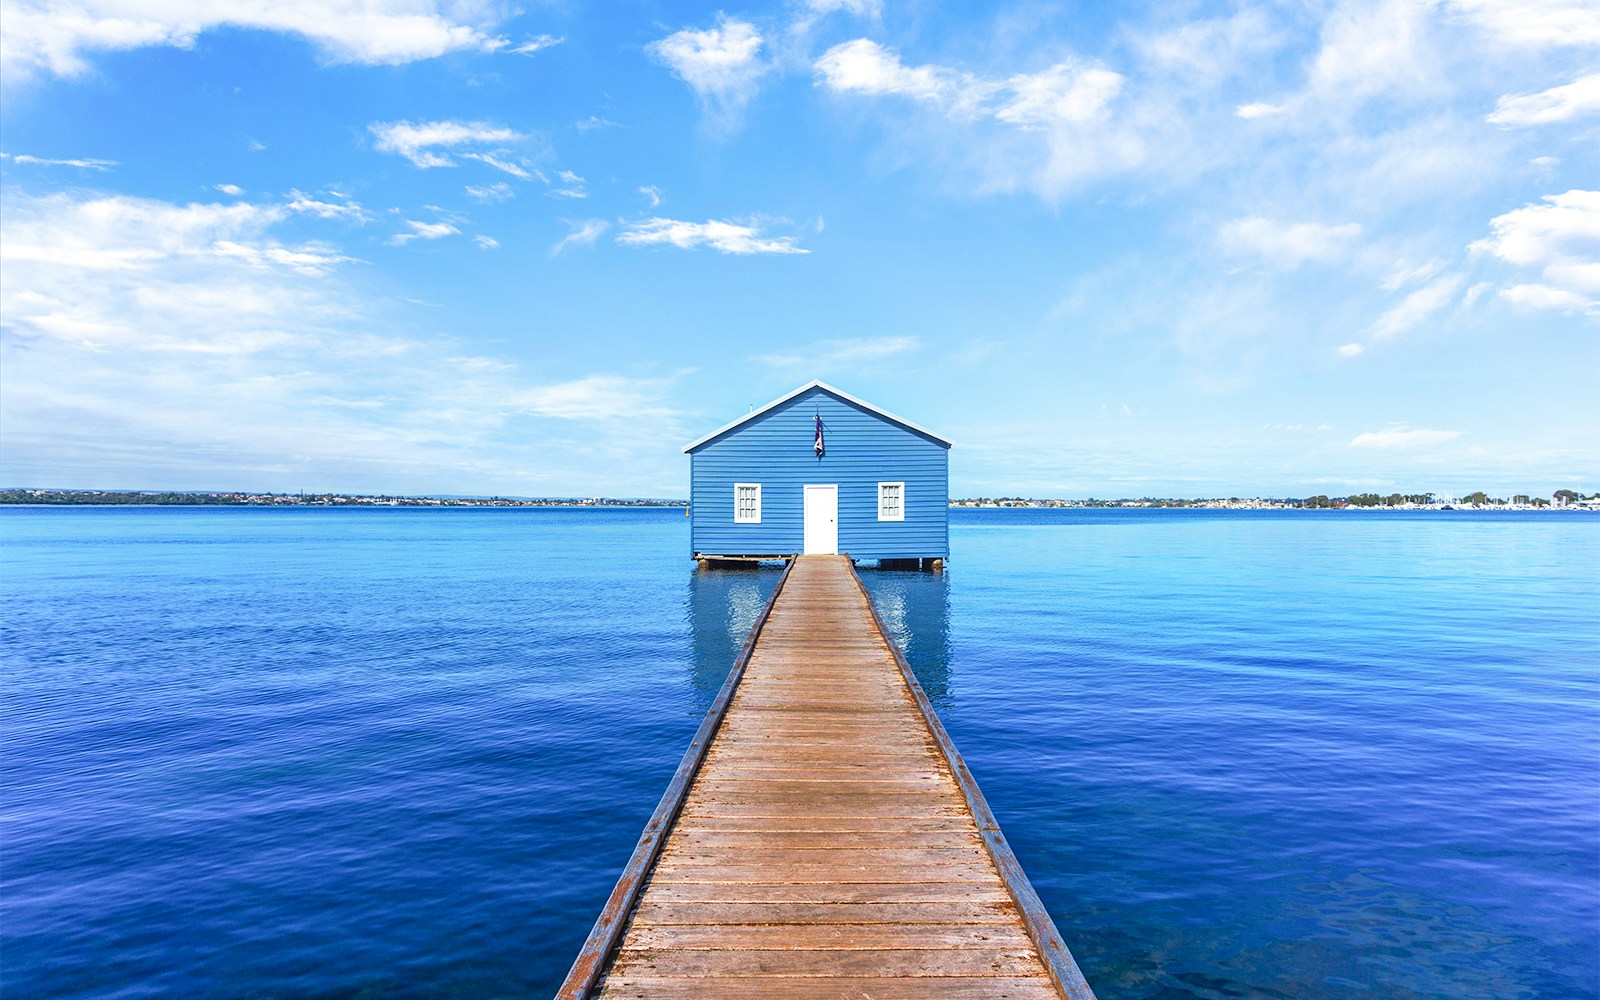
x,y
822,837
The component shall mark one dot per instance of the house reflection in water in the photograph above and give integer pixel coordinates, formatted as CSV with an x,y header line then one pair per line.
x,y
723,605
915,609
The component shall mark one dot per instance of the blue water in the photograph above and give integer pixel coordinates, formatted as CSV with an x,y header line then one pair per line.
x,y
363,753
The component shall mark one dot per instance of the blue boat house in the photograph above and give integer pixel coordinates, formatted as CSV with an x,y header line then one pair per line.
x,y
820,471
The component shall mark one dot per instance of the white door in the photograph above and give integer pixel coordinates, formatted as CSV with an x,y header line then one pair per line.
x,y
822,519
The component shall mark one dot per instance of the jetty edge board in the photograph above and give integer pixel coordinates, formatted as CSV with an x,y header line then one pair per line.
x,y
826,839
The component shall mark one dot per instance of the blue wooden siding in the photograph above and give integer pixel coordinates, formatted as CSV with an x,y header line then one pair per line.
x,y
862,450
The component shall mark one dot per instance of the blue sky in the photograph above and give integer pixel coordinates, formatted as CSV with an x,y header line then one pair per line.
x,y
1180,249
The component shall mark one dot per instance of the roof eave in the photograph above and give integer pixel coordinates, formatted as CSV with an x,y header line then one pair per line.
x,y
816,384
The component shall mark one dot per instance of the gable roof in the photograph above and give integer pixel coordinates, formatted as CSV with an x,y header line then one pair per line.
x,y
830,390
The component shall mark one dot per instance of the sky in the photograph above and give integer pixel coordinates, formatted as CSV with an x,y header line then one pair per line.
x,y
418,246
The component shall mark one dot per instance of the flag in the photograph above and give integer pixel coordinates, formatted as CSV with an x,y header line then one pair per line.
x,y
816,446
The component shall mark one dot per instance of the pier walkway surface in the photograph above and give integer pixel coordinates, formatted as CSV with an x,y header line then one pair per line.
x,y
823,838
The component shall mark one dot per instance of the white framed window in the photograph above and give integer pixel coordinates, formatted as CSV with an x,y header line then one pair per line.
x,y
891,501
746,503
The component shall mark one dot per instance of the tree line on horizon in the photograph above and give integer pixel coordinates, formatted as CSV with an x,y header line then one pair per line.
x,y
178,498
1477,498
1320,501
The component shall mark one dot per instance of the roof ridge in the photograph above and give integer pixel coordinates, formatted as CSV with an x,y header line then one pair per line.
x,y
817,383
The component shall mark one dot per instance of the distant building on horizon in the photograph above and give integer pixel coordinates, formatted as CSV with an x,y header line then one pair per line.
x,y
820,471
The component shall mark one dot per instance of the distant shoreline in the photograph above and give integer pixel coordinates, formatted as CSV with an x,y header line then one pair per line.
x,y
1256,504
1364,501
158,498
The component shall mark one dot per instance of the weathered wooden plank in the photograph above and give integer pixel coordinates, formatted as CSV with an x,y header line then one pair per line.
x,y
843,721
800,665
898,738
868,739
909,807
909,770
840,987
691,839
926,857
845,762
828,937
876,962
828,746
653,912
825,717
823,872
792,823
758,789
770,770
826,892
906,803
854,699
862,731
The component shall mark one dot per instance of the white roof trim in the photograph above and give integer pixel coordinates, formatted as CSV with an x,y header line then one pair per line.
x,y
818,384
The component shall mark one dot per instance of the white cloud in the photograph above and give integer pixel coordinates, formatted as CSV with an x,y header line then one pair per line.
x,y
423,231
233,190
1413,310
653,193
720,64
1406,273
1558,104
861,8
1069,92
1533,22
1566,226
490,193
576,187
309,258
825,355
1535,296
863,66
538,43
594,123
1401,437
522,170
80,163
430,144
486,242
1561,238
131,234
1351,350
1057,121
597,398
57,36
580,234
304,204
727,237
1210,49
1258,109
1289,244
1374,48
